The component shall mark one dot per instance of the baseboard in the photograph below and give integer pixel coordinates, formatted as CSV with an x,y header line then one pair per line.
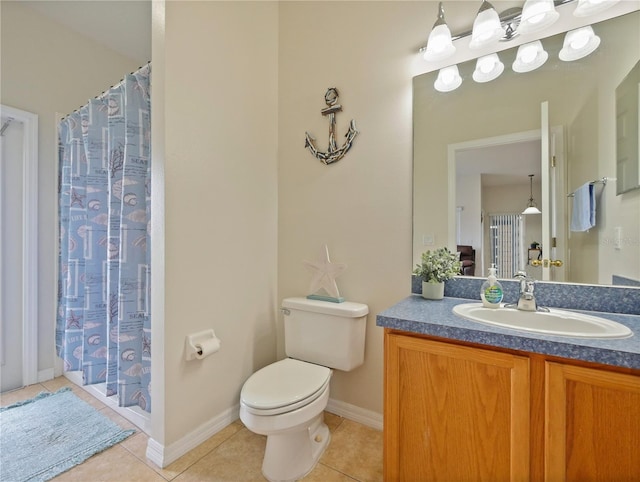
x,y
357,414
46,374
162,455
165,455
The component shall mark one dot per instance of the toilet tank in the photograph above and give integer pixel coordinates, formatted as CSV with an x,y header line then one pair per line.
x,y
325,333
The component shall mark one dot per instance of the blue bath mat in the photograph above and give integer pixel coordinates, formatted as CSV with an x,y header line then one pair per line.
x,y
47,435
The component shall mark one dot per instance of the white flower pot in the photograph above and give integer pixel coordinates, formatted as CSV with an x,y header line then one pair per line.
x,y
432,291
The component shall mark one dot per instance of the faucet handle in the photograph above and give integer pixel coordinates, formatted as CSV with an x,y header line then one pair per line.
x,y
529,285
521,275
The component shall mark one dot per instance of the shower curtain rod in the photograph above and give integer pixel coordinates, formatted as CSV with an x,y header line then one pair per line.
x,y
100,96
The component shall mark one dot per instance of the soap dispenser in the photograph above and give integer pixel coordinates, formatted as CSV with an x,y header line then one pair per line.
x,y
491,292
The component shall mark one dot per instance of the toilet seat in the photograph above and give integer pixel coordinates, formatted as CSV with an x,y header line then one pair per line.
x,y
284,386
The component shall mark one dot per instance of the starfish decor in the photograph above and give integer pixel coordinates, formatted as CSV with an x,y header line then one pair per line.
x,y
324,276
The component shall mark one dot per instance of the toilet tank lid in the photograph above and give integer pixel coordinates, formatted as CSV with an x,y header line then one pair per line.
x,y
347,309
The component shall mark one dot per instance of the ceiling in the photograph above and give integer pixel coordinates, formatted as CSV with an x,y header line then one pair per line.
x,y
125,25
121,25
506,164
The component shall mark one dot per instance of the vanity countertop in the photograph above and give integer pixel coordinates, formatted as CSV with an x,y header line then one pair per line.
x,y
415,314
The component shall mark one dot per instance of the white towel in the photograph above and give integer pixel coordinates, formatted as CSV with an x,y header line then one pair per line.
x,y
583,216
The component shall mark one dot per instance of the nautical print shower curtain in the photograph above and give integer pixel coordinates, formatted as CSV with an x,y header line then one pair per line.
x,y
103,319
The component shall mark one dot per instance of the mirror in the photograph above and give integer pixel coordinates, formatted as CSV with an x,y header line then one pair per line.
x,y
475,147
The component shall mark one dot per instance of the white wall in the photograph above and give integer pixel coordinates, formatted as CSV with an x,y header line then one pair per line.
x,y
624,210
361,205
236,85
469,197
219,107
47,68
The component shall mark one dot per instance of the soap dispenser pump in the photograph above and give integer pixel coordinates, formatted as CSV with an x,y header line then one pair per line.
x,y
491,292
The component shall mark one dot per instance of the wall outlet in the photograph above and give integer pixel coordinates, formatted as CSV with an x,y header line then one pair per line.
x,y
428,239
617,237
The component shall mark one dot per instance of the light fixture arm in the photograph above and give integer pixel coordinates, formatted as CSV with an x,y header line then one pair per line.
x,y
440,20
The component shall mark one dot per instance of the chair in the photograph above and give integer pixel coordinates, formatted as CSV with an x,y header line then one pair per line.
x,y
468,260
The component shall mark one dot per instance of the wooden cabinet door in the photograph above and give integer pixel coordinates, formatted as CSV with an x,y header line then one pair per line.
x,y
454,413
593,425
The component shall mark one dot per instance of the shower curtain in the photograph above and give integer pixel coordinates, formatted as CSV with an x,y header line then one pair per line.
x,y
103,319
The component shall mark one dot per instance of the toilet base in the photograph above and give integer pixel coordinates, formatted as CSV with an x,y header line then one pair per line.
x,y
291,455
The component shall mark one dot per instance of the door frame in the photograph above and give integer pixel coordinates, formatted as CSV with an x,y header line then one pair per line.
x,y
29,241
530,135
452,149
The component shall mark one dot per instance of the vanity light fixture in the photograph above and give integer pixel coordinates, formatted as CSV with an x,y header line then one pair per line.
x,y
486,27
489,27
579,43
591,7
537,15
439,46
529,57
488,68
448,79
532,207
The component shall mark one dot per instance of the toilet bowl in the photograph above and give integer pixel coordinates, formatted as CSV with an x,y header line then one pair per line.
x,y
286,400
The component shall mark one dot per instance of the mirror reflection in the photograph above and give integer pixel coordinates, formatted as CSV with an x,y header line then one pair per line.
x,y
476,148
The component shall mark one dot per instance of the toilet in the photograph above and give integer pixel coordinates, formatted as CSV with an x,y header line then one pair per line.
x,y
285,400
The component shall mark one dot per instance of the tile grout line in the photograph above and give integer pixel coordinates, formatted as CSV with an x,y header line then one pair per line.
x,y
213,449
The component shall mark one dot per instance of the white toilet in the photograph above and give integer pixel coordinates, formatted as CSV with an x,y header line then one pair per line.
x,y
285,400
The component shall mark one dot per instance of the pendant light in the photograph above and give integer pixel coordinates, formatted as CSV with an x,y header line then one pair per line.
x,y
487,29
532,207
439,46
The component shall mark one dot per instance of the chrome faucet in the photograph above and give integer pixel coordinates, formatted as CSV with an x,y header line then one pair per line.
x,y
526,300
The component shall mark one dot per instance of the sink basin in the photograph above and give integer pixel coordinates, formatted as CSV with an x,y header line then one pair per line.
x,y
556,322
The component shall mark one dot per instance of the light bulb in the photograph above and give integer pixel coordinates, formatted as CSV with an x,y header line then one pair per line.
x,y
591,7
448,76
579,40
448,79
530,57
439,45
438,40
488,68
529,53
537,15
486,64
486,27
579,43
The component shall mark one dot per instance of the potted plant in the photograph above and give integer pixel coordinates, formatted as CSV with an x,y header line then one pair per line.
x,y
436,267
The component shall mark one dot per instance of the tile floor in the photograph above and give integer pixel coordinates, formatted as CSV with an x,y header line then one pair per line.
x,y
232,455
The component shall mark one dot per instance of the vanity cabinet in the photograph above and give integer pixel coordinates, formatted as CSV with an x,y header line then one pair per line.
x,y
460,412
593,424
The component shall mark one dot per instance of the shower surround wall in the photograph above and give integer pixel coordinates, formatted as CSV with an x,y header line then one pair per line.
x,y
37,78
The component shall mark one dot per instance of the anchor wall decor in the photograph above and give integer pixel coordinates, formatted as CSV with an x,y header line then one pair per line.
x,y
334,153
